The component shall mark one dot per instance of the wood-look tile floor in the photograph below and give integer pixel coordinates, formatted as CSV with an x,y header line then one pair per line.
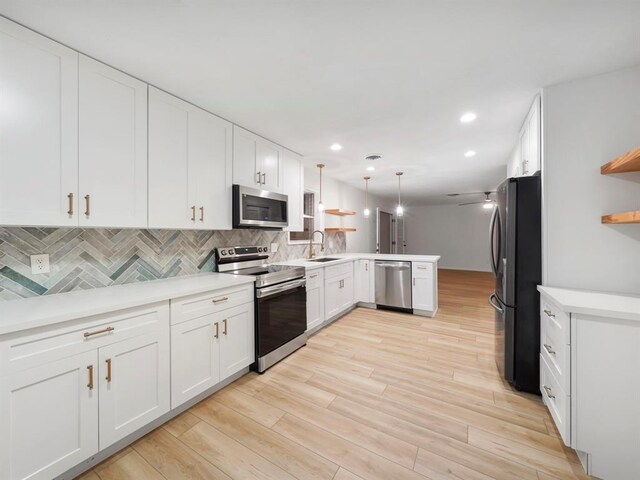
x,y
376,395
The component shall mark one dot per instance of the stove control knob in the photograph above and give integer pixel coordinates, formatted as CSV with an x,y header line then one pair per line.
x,y
223,252
231,252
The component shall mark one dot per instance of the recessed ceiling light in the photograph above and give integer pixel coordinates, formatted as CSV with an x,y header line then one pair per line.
x,y
335,147
468,117
371,169
470,153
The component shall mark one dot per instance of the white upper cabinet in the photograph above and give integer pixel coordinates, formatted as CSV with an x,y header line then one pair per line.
x,y
190,165
257,162
293,187
526,157
112,147
38,129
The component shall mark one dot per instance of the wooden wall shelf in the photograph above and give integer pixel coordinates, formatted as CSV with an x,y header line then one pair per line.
x,y
622,217
337,211
629,162
339,230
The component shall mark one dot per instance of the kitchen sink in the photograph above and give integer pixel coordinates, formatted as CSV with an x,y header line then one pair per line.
x,y
325,259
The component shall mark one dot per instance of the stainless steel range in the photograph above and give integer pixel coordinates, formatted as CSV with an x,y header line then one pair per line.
x,y
280,301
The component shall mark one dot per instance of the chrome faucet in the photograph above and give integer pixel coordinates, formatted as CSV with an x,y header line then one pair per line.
x,y
311,252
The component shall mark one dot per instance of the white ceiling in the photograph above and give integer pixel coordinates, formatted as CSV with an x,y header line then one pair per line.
x,y
389,77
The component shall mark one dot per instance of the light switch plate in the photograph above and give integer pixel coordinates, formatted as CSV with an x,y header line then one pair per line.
x,y
40,264
274,247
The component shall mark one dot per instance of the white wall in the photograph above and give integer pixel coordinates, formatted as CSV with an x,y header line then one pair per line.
x,y
587,123
336,194
459,234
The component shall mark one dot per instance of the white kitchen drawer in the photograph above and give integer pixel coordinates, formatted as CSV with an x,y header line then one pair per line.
x,y
315,278
338,270
557,356
194,306
21,351
421,269
554,320
556,399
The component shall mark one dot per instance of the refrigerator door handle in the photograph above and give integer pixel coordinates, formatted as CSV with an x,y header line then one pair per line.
x,y
494,216
494,305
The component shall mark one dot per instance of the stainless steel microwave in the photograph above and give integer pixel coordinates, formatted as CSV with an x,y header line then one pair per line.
x,y
255,208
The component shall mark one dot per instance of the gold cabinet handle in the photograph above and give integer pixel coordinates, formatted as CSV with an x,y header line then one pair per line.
x,y
202,214
216,327
264,179
224,322
220,300
313,276
258,181
70,211
98,332
549,314
87,202
548,390
90,384
108,377
414,281
549,349
193,213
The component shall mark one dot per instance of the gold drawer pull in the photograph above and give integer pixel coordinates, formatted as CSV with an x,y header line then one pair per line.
x,y
98,332
550,350
216,326
90,384
108,377
313,276
549,313
87,201
224,322
202,214
421,267
70,211
548,390
193,213
220,300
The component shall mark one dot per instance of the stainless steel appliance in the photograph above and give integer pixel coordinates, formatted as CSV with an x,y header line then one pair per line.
x,y
255,208
515,247
280,301
393,284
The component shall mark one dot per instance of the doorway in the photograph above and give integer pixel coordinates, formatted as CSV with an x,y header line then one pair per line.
x,y
384,231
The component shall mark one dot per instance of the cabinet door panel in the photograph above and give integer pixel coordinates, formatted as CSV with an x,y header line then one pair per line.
x,y
245,168
346,293
332,297
268,158
38,129
363,281
48,418
113,147
137,391
293,187
237,342
170,197
210,163
195,366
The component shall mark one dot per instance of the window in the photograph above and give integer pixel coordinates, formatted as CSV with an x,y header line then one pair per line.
x,y
309,219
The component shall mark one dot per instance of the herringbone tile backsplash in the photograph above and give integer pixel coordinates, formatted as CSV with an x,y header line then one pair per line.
x,y
90,258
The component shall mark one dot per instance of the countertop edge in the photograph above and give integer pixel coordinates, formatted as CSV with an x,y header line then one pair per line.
x,y
618,306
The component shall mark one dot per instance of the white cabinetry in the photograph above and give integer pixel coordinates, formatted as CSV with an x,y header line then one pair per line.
x,y
112,147
256,161
48,418
338,289
38,129
212,338
315,298
526,157
190,165
364,281
293,187
424,287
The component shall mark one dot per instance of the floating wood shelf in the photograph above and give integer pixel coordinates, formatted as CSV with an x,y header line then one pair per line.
x,y
629,162
339,230
337,211
622,217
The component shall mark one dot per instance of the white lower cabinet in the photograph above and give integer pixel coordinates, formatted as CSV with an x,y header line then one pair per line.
x,y
424,287
315,298
209,348
134,385
338,289
49,418
364,274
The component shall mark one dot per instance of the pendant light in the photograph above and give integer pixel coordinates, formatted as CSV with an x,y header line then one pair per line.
x,y
320,204
366,212
399,209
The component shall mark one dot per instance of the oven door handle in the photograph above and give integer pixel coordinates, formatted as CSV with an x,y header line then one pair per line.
x,y
268,291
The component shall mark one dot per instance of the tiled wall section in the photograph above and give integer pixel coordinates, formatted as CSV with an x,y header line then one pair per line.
x,y
91,258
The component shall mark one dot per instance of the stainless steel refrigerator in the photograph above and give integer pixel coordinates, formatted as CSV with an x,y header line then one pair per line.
x,y
515,236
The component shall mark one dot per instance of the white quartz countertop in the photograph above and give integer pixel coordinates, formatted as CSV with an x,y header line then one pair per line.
x,y
346,257
23,314
599,304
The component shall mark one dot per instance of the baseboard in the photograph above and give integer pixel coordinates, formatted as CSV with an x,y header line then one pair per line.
x,y
102,455
425,313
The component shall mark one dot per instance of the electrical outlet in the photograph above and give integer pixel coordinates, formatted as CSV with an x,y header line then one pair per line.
x,y
274,247
40,264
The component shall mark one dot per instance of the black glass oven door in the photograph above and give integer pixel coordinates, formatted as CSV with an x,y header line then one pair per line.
x,y
281,317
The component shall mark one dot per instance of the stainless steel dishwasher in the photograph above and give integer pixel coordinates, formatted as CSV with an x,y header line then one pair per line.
x,y
393,284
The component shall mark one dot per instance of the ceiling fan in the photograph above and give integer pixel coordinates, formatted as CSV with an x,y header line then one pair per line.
x,y
486,203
